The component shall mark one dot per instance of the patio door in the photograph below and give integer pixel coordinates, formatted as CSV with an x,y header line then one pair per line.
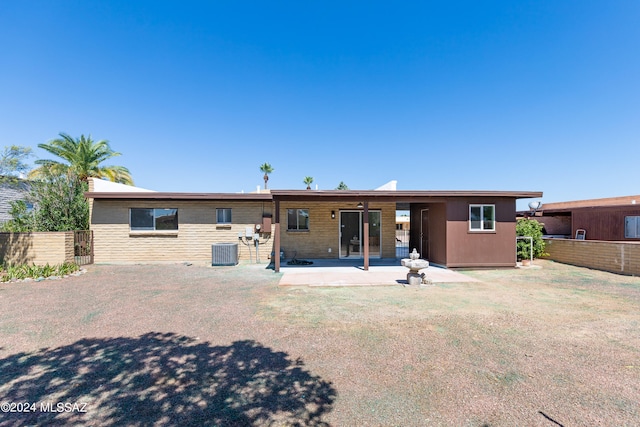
x,y
424,234
351,234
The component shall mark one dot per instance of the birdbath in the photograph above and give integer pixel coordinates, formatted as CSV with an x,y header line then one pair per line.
x,y
415,264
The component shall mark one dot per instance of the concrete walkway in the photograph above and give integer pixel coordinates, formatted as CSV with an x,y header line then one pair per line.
x,y
345,273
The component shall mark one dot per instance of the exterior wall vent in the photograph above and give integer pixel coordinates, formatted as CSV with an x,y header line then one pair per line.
x,y
224,254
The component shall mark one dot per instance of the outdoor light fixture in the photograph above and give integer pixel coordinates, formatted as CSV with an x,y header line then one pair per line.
x,y
360,204
333,214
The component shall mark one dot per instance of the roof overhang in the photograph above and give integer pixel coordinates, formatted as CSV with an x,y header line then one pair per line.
x,y
177,196
404,196
401,196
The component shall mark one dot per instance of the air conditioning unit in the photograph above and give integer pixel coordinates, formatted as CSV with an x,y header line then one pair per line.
x,y
224,254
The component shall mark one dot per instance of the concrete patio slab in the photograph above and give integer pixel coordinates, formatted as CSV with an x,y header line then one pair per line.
x,y
323,273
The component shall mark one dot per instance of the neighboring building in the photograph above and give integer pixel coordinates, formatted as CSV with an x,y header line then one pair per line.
x,y
450,228
11,189
609,219
403,222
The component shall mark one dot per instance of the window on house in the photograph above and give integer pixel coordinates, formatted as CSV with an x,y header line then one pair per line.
x,y
223,216
632,227
482,217
297,219
153,219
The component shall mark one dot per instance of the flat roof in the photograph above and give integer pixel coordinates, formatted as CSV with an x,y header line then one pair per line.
x,y
156,195
326,195
589,203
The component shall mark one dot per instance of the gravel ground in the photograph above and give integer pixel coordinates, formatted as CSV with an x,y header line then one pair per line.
x,y
176,344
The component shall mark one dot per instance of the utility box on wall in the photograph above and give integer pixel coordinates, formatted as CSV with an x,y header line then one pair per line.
x,y
266,224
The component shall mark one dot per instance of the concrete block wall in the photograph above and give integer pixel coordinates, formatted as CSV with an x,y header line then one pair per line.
x,y
114,242
38,248
616,257
323,231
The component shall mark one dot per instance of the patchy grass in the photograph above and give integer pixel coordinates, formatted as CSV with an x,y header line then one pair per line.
x,y
174,344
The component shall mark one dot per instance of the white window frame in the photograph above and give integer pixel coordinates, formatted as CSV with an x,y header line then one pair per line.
x,y
155,218
297,225
226,219
632,227
482,220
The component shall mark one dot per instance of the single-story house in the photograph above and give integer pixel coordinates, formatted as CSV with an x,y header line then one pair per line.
x,y
608,219
448,228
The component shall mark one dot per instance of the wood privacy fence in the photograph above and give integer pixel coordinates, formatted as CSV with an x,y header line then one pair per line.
x,y
42,248
616,257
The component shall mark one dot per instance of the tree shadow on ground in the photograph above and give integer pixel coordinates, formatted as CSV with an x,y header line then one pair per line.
x,y
163,379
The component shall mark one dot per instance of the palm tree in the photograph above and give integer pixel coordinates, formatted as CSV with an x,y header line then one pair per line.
x,y
266,169
83,157
308,180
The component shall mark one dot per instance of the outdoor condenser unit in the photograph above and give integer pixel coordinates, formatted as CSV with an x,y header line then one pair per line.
x,y
224,254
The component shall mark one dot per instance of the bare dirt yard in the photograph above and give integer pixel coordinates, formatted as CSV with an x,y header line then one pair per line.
x,y
196,345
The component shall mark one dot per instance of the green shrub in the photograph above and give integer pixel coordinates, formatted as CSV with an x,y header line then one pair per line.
x,y
24,271
530,228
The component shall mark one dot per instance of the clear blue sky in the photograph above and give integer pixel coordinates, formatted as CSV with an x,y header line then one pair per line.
x,y
448,95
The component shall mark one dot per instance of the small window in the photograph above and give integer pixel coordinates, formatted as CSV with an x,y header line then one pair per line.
x,y
482,218
223,216
153,219
632,227
298,219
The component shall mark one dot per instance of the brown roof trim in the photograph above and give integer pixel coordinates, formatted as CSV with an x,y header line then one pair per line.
x,y
153,195
395,195
326,195
589,203
617,208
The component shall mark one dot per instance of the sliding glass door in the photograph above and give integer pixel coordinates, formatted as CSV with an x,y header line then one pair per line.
x,y
351,234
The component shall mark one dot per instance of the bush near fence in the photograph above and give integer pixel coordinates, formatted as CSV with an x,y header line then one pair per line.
x,y
615,257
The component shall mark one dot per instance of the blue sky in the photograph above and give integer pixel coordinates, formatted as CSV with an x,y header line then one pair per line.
x,y
449,95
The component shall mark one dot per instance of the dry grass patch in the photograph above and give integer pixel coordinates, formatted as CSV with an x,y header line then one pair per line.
x,y
227,345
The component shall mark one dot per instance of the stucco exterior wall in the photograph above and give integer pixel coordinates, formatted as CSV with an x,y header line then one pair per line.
x,y
38,248
486,248
437,236
323,234
114,242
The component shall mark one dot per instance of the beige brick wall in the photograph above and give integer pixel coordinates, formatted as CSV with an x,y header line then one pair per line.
x,y
323,231
616,257
197,231
38,248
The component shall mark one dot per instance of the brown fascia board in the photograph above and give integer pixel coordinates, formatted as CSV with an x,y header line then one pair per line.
x,y
609,201
326,195
153,195
396,195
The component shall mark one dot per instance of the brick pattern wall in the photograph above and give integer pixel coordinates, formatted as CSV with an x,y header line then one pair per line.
x,y
37,248
323,231
616,257
197,231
